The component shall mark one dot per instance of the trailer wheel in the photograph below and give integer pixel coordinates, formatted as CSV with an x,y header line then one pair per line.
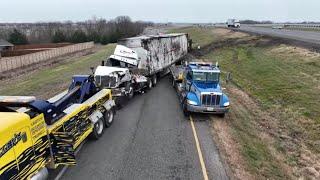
x,y
98,129
149,83
173,82
108,118
131,92
154,80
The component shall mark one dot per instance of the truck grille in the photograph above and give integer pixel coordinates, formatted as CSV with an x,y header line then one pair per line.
x,y
210,100
106,81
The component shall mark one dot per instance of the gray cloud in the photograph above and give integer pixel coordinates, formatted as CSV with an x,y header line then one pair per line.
x,y
160,10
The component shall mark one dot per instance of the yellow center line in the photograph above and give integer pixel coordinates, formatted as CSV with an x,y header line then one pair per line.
x,y
203,165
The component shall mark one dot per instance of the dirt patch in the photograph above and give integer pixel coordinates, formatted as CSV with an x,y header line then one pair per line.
x,y
230,148
227,33
220,44
295,51
264,123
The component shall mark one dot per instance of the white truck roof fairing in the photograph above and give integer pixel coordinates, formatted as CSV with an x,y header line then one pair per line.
x,y
124,59
124,51
107,70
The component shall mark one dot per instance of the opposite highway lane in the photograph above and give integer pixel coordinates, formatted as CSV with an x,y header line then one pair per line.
x,y
305,36
150,139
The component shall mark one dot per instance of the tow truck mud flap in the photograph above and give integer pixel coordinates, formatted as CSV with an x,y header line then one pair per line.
x,y
62,148
95,116
109,104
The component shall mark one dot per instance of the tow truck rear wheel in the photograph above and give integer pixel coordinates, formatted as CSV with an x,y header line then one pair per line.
x,y
98,129
108,118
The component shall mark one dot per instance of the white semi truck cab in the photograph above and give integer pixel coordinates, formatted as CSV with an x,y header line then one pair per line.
x,y
233,23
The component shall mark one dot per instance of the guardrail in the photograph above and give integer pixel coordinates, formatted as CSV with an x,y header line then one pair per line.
x,y
292,26
10,63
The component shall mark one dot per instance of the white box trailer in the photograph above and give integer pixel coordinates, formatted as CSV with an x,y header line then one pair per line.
x,y
143,59
150,54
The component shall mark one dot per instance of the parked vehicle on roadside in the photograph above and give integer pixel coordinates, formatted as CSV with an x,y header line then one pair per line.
x,y
198,88
41,134
138,62
233,23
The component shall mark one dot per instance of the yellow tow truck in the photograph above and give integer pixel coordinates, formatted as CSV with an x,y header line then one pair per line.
x,y
41,134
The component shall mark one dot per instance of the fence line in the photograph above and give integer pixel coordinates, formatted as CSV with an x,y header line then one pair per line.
x,y
10,63
293,26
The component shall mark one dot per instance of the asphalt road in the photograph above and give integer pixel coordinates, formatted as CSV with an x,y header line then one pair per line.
x,y
304,36
150,139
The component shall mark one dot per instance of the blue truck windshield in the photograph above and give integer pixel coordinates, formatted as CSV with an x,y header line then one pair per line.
x,y
205,76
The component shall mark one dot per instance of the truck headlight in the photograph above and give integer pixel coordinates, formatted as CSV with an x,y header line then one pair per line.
x,y
226,104
192,102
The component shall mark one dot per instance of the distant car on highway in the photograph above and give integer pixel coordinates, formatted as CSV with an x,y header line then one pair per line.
x,y
277,27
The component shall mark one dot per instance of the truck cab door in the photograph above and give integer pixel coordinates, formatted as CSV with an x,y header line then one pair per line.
x,y
188,81
62,149
8,163
24,152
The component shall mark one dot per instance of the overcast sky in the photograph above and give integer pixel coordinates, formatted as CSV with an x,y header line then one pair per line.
x,y
160,10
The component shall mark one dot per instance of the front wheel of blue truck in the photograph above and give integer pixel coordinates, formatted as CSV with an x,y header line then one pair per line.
x,y
185,108
222,115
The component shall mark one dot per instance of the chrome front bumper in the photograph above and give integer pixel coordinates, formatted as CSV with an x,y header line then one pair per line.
x,y
205,109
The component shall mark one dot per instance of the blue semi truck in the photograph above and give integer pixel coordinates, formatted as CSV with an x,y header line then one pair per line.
x,y
198,88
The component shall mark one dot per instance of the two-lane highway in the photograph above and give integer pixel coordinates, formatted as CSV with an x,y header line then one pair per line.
x,y
150,139
304,36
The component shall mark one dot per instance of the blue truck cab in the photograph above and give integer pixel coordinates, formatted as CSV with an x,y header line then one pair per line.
x,y
199,89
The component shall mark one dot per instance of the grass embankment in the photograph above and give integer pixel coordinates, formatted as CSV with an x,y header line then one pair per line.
x,y
284,83
200,37
49,81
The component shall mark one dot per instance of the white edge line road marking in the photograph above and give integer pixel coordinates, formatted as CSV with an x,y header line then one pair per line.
x,y
202,163
65,168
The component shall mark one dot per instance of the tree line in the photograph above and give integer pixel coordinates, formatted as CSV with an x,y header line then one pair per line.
x,y
96,29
